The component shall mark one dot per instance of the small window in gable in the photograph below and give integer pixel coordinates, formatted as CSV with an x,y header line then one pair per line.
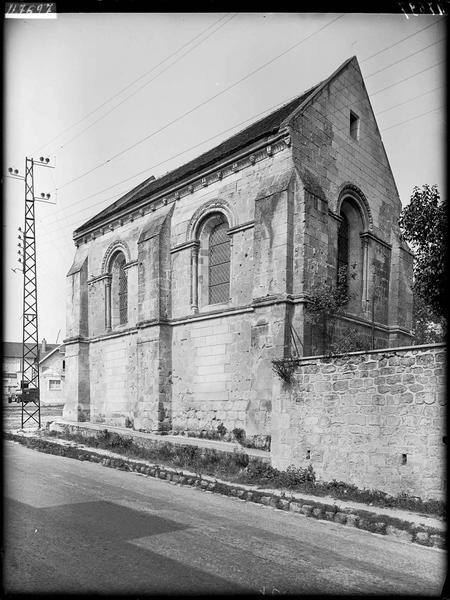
x,y
354,125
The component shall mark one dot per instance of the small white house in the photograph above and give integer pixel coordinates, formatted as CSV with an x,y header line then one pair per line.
x,y
52,375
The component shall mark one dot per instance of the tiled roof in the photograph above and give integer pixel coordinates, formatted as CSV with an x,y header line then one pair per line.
x,y
14,349
257,131
61,350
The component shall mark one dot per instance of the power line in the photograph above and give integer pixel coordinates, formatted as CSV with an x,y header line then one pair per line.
x,y
118,194
209,139
145,84
236,83
267,110
402,40
131,84
409,100
189,50
176,52
371,95
251,118
278,105
406,78
413,118
388,66
201,104
402,59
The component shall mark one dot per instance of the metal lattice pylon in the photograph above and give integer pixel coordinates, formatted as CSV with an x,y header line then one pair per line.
x,y
31,408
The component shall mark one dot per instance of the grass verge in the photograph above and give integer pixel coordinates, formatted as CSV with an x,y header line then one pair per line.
x,y
238,467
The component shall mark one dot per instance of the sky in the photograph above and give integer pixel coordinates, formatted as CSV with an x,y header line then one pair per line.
x,y
112,99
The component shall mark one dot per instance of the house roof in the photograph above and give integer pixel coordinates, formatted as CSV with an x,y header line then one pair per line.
x,y
52,351
14,349
259,130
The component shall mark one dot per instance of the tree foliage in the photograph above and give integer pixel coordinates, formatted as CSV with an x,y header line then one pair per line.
x,y
327,301
428,328
424,225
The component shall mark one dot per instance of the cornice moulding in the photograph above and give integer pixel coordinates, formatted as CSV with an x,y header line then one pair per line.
x,y
114,334
132,263
277,143
241,227
185,246
77,339
99,278
375,238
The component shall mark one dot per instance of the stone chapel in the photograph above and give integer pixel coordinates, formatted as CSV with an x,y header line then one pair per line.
x,y
184,290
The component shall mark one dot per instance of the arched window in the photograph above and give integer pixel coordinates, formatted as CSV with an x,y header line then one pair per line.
x,y
210,260
219,264
343,248
119,290
350,256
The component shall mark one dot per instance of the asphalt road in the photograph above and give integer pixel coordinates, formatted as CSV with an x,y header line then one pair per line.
x,y
12,415
76,526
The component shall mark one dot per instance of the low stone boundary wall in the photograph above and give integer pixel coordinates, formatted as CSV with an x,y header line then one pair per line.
x,y
362,519
375,420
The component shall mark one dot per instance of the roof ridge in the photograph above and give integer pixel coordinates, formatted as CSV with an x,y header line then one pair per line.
x,y
266,125
320,86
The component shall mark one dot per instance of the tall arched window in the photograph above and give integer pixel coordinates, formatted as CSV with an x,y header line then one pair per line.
x,y
219,264
210,261
119,290
350,255
343,249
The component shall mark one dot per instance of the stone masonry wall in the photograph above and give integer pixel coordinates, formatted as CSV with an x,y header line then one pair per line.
x,y
180,362
113,376
221,361
328,159
211,379
376,420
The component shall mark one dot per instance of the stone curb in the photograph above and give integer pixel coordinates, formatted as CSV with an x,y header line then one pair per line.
x,y
423,535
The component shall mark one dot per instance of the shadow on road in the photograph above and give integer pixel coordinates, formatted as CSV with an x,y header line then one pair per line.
x,y
84,547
